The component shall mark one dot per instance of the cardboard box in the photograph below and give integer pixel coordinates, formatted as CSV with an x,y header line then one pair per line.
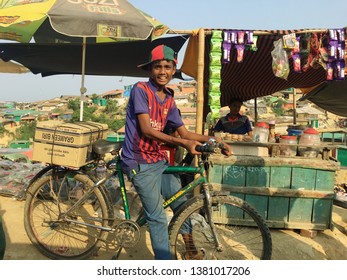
x,y
66,144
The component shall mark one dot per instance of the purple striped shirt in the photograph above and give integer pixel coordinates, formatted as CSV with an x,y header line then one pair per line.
x,y
144,100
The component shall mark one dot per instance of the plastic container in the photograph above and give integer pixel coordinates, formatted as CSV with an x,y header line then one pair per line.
x,y
261,132
288,145
310,139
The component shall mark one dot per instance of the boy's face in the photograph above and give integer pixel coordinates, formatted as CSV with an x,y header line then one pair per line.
x,y
235,107
162,72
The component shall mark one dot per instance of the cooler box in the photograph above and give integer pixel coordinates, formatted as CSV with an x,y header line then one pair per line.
x,y
66,144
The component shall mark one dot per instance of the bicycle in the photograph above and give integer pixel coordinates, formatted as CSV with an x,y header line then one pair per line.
x,y
69,213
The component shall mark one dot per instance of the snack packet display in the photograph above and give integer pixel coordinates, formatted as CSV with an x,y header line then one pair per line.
x,y
336,55
218,41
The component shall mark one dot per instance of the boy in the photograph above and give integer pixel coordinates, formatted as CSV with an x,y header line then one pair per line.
x,y
234,122
150,108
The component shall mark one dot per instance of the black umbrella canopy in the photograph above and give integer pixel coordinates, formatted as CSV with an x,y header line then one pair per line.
x,y
107,59
330,96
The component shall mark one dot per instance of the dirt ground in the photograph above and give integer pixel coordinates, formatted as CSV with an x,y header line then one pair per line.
x,y
287,244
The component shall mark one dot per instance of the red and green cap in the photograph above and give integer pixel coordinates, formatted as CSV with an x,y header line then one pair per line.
x,y
160,52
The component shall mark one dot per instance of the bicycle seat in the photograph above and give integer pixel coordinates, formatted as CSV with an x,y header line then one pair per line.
x,y
102,146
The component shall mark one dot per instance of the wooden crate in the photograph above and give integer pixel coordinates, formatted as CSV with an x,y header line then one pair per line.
x,y
66,144
287,193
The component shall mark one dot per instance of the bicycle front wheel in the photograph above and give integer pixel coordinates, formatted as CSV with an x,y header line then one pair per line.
x,y
58,235
241,231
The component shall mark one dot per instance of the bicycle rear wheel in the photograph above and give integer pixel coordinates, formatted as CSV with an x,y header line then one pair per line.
x,y
58,236
242,232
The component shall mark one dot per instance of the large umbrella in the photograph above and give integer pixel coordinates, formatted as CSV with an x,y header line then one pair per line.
x,y
72,21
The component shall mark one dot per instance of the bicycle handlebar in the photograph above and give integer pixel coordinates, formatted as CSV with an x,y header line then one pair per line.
x,y
206,149
210,147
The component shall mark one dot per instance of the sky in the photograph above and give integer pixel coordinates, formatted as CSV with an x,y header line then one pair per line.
x,y
185,15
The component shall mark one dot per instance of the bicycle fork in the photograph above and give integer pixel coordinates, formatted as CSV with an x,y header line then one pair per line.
x,y
208,198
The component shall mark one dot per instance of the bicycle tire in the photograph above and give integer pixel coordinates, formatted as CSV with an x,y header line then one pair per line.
x,y
56,238
241,230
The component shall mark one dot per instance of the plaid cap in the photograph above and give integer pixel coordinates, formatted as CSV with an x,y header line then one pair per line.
x,y
160,52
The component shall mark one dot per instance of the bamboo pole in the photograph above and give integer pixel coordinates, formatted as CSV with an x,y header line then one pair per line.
x,y
83,89
294,106
255,32
200,94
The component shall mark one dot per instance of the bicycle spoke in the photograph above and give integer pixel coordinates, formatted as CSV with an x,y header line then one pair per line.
x,y
246,238
57,234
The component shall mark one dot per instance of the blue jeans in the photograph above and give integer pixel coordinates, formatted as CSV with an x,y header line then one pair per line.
x,y
152,186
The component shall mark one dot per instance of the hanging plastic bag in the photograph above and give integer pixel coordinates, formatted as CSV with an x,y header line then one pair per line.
x,y
280,64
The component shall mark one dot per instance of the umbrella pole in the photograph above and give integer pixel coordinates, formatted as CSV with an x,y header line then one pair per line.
x,y
83,90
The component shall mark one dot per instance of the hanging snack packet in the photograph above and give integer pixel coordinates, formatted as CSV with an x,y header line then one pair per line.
x,y
333,50
215,112
340,53
341,35
214,99
330,71
227,37
214,85
217,34
340,67
296,63
249,37
226,52
216,45
289,41
215,72
241,37
254,45
240,52
215,58
297,45
233,37
333,34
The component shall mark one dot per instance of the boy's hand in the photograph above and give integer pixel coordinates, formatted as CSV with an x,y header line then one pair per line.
x,y
190,146
226,150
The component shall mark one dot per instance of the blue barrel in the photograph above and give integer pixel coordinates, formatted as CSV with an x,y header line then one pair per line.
x,y
296,132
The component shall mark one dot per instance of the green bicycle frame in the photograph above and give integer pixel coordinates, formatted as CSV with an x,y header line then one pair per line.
x,y
170,170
